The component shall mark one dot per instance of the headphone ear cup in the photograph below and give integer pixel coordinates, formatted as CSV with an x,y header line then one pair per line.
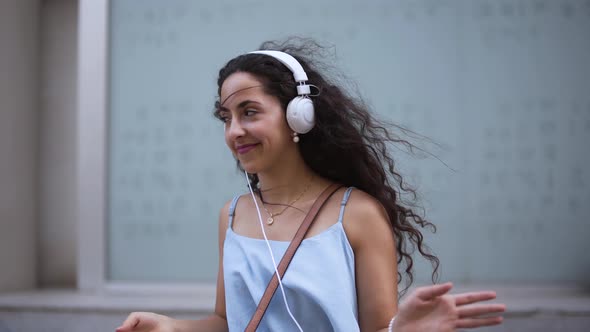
x,y
301,115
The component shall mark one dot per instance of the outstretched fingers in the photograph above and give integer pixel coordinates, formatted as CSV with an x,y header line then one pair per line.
x,y
480,310
428,293
472,297
473,316
469,323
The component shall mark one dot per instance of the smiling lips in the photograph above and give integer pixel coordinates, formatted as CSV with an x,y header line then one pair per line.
x,y
245,148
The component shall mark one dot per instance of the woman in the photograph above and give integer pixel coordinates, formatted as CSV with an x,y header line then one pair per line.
x,y
295,133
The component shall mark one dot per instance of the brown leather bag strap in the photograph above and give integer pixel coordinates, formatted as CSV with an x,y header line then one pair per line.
x,y
288,256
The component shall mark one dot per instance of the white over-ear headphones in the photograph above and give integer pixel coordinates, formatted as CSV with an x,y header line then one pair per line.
x,y
300,112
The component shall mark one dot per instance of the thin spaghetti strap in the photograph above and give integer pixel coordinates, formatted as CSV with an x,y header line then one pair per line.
x,y
232,210
343,203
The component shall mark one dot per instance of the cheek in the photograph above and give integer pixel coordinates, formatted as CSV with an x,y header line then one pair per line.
x,y
285,130
227,138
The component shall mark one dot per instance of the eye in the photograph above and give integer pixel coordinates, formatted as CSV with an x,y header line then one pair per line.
x,y
222,116
250,112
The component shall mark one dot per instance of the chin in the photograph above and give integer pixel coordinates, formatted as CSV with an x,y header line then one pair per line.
x,y
250,167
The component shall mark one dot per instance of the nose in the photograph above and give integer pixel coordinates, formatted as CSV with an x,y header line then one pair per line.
x,y
234,129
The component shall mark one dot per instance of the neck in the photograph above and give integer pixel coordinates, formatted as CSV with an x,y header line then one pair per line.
x,y
286,181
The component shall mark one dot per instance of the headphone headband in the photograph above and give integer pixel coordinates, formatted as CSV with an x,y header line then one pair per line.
x,y
289,61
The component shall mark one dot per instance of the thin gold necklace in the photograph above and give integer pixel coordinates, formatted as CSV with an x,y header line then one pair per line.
x,y
271,216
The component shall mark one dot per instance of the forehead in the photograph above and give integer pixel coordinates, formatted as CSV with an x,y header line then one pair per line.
x,y
239,85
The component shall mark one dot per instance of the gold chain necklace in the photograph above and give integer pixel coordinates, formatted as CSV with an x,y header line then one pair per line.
x,y
271,216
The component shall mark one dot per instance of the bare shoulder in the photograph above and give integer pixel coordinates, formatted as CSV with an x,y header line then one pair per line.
x,y
224,212
365,219
364,208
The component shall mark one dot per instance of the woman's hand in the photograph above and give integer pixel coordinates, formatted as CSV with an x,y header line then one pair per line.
x,y
430,308
147,322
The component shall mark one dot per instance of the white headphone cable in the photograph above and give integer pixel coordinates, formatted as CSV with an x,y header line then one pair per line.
x,y
274,264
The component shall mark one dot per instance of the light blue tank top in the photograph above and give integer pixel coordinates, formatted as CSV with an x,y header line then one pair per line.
x,y
319,283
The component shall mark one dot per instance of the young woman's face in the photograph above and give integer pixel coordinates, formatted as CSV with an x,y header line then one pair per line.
x,y
256,130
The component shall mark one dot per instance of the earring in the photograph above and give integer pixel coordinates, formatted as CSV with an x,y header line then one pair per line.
x,y
295,137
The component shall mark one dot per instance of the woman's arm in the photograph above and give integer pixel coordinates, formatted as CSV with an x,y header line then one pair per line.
x,y
428,308
367,228
151,322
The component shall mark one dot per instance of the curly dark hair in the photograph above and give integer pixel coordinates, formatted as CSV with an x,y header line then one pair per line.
x,y
347,145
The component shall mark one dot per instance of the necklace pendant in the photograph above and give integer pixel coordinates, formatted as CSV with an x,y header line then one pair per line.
x,y
270,221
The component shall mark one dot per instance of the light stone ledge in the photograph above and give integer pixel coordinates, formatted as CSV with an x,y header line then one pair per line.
x,y
521,300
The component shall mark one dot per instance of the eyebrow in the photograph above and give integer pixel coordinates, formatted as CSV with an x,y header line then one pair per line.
x,y
240,105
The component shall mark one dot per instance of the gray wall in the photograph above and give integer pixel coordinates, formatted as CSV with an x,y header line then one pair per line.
x,y
57,209
502,85
37,143
19,84
37,128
